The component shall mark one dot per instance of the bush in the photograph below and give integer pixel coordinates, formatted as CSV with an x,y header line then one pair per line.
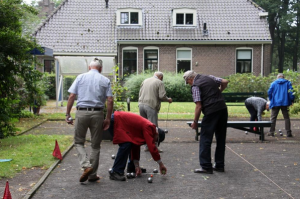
x,y
174,85
50,92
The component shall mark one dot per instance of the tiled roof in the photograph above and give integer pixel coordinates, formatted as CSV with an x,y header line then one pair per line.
x,y
87,26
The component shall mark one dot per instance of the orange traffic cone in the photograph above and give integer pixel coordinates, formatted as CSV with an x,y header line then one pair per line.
x,y
7,194
56,153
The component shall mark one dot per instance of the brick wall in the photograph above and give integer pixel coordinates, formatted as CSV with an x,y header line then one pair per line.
x,y
218,60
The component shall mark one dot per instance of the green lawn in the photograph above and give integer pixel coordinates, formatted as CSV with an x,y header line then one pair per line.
x,y
29,151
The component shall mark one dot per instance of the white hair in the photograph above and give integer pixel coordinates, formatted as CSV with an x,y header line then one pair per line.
x,y
280,75
96,63
158,74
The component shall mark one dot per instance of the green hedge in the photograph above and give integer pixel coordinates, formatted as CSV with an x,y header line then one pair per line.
x,y
174,85
50,92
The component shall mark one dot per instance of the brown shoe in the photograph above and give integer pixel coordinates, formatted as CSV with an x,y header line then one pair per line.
x,y
88,171
94,179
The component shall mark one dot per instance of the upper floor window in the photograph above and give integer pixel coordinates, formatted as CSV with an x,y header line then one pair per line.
x,y
244,61
129,16
184,17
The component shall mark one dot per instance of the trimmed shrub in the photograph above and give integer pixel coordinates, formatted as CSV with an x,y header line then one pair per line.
x,y
174,85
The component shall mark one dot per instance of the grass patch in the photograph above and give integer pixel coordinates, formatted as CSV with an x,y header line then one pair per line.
x,y
28,151
25,124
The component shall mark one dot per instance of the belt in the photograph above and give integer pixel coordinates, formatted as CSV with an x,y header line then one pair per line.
x,y
89,109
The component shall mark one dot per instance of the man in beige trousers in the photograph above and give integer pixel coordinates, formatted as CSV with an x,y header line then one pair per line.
x,y
152,93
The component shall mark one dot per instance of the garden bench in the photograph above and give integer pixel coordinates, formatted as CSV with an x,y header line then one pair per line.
x,y
240,97
242,125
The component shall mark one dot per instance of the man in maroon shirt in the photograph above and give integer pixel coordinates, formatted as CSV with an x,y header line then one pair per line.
x,y
130,131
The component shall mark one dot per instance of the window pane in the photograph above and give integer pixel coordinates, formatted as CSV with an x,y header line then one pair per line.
x,y
179,18
151,65
129,54
151,54
189,19
129,62
134,17
124,18
244,54
184,54
49,66
243,67
183,65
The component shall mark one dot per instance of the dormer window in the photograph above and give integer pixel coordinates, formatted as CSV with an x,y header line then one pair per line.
x,y
184,17
129,16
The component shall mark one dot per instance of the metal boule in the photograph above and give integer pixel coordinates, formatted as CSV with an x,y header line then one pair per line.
x,y
128,175
155,171
113,156
70,119
246,132
149,180
166,131
132,175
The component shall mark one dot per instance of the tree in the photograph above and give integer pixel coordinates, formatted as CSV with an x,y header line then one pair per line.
x,y
18,76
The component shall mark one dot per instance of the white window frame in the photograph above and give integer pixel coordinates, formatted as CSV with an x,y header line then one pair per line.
x,y
243,48
151,48
185,11
129,10
191,58
137,57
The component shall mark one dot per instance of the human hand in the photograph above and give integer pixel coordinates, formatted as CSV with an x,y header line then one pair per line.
x,y
138,171
163,169
106,124
69,119
194,125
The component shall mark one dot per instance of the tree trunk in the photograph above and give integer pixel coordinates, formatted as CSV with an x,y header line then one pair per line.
x,y
295,55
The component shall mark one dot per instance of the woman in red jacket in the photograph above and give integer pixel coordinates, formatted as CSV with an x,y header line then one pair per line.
x,y
130,131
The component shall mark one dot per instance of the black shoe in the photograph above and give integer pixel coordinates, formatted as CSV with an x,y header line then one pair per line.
x,y
116,176
201,170
218,169
289,135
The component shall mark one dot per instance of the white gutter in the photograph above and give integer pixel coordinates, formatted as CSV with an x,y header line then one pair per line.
x,y
208,42
84,54
262,60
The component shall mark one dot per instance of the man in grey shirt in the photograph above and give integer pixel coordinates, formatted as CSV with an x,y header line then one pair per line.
x,y
93,90
256,106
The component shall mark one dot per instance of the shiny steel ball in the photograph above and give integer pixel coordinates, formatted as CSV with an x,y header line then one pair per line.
x,y
149,180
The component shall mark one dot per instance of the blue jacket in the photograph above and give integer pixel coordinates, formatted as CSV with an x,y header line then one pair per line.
x,y
280,93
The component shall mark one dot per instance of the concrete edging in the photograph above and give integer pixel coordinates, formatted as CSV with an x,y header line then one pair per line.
x,y
45,176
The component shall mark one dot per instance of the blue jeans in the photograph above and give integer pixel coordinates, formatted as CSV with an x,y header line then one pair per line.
x,y
213,123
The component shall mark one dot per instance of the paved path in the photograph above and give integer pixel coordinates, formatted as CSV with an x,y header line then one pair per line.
x,y
253,169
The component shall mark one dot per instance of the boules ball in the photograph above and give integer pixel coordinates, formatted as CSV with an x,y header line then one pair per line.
x,y
128,175
110,170
113,156
166,131
155,171
149,180
70,119
132,175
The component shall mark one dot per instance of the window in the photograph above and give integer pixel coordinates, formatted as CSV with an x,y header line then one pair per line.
x,y
48,66
184,59
129,61
151,59
244,61
184,17
129,16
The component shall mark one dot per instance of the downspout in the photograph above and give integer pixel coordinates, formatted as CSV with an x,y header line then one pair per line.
x,y
262,60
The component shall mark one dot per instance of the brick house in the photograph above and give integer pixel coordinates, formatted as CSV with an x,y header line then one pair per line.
x,y
218,37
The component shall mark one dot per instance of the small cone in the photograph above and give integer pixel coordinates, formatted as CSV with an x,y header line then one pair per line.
x,y
56,153
7,194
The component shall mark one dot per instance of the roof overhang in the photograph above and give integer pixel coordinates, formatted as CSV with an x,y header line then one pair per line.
x,y
42,51
206,42
84,54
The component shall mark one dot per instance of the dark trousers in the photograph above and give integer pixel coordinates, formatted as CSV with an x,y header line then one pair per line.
x,y
122,157
286,116
253,113
213,123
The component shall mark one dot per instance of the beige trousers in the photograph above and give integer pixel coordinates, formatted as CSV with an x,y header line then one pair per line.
x,y
92,120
